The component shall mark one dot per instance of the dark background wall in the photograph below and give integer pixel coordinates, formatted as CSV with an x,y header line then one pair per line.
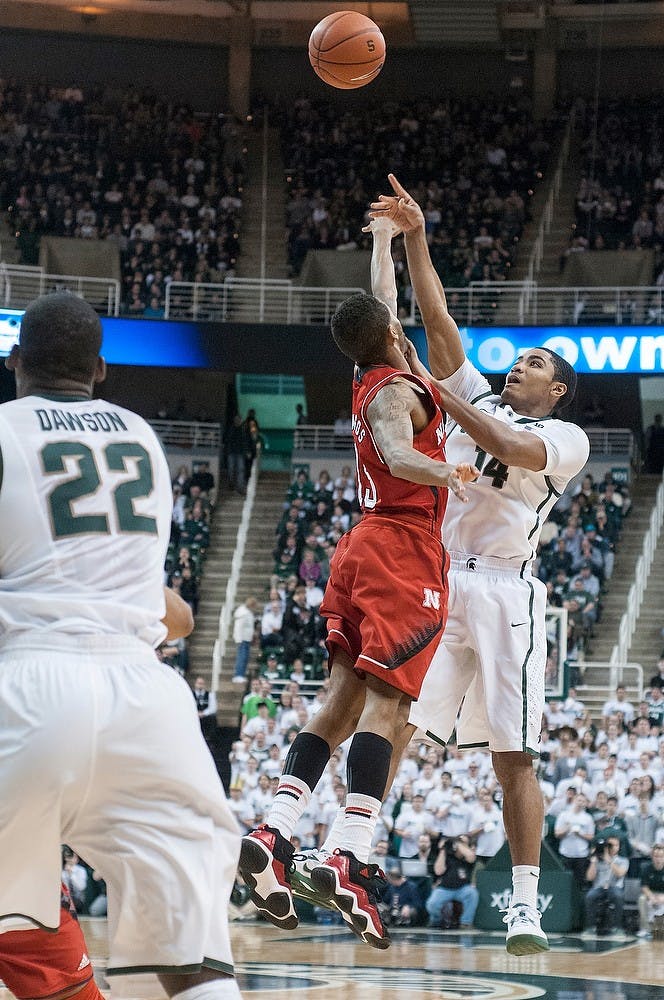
x,y
199,72
407,73
623,72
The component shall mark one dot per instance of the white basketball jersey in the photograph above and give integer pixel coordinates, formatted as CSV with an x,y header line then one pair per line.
x,y
507,506
85,511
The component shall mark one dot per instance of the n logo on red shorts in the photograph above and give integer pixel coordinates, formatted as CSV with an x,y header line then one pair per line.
x,y
431,599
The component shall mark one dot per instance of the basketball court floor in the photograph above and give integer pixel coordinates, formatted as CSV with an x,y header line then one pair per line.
x,y
316,962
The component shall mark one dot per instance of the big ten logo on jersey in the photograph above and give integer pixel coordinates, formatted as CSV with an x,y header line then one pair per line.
x,y
431,599
358,430
440,432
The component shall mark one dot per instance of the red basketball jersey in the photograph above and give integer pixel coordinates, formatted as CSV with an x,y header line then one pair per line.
x,y
380,492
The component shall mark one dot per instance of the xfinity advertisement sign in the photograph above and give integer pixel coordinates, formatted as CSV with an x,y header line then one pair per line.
x,y
589,349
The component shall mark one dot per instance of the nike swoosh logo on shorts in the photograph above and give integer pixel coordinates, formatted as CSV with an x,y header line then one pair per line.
x,y
517,624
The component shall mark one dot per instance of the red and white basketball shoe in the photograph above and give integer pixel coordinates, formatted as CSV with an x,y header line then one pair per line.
x,y
354,888
265,863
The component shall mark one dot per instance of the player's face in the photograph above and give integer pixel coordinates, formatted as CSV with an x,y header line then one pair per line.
x,y
529,384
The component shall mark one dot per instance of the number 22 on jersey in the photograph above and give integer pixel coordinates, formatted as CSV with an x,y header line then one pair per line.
x,y
87,482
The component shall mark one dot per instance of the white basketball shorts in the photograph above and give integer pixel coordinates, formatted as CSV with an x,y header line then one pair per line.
x,y
490,662
101,749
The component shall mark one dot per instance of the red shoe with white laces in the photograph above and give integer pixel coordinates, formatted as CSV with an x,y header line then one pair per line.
x,y
354,888
265,863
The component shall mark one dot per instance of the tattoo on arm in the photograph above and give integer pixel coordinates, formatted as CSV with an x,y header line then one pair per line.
x,y
390,416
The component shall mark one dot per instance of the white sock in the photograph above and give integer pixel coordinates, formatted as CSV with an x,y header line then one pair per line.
x,y
361,815
525,879
335,833
290,800
214,989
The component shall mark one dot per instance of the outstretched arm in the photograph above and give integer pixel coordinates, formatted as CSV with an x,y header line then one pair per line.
x,y
526,451
446,353
383,281
392,426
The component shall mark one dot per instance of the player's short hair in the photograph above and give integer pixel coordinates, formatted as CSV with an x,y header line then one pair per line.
x,y
60,337
359,328
563,372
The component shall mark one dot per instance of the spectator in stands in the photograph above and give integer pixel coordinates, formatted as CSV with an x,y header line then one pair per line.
x,y
301,417
302,627
611,824
255,445
271,624
651,900
575,830
342,426
75,877
412,820
589,582
189,589
203,478
657,679
237,446
258,722
486,827
309,569
641,830
655,446
244,624
401,903
606,871
453,869
619,704
314,595
206,704
301,489
241,808
655,702
261,690
271,669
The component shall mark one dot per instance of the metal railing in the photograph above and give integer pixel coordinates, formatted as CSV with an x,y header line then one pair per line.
x,y
612,441
629,619
20,284
227,608
629,674
188,434
520,303
250,300
320,437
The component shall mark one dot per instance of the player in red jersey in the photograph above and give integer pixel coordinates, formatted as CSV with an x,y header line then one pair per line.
x,y
37,964
385,604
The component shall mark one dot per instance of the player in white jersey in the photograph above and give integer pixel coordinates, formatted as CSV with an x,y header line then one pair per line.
x,y
491,660
100,745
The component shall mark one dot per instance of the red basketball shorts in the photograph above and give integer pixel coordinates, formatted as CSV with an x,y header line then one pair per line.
x,y
386,600
38,963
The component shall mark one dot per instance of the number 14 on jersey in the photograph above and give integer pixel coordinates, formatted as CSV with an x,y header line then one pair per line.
x,y
495,470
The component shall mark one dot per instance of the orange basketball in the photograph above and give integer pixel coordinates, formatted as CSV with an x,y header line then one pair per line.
x,y
347,50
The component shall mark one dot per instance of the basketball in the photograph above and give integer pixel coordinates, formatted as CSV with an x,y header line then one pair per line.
x,y
347,50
